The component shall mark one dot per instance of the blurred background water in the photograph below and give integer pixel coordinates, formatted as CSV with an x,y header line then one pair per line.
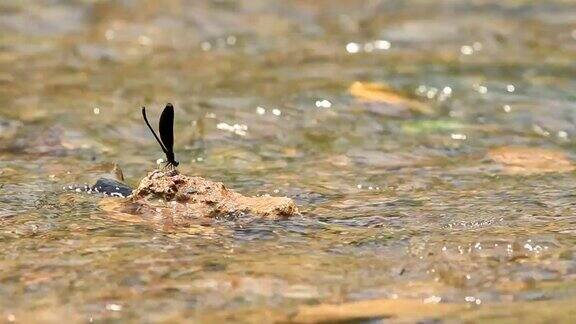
x,y
428,144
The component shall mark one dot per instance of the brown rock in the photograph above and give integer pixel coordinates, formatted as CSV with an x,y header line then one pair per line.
x,y
179,197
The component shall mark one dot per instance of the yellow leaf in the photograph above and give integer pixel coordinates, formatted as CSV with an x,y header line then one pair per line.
x,y
382,93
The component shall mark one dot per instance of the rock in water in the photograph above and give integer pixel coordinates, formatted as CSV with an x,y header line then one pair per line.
x,y
198,197
111,187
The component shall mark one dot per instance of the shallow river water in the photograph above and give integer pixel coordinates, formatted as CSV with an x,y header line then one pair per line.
x,y
428,145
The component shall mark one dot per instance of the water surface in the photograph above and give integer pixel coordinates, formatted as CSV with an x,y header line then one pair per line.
x,y
397,202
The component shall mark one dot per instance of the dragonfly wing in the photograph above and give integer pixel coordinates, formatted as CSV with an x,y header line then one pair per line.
x,y
167,128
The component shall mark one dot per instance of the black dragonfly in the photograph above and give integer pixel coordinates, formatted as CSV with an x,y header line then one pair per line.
x,y
166,128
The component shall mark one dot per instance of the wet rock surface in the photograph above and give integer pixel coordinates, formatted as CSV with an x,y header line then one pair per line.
x,y
196,197
111,187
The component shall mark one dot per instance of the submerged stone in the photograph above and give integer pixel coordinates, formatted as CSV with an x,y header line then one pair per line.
x,y
531,160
